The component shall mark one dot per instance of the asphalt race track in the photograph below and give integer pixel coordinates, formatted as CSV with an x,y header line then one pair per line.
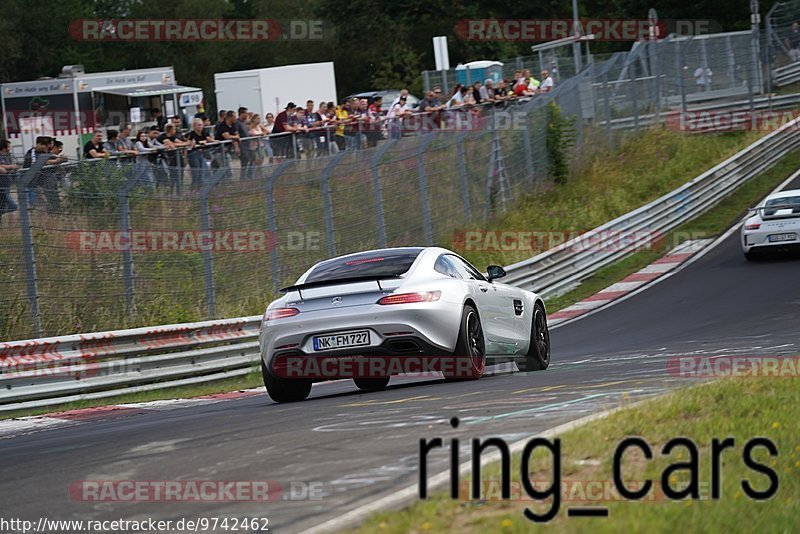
x,y
358,447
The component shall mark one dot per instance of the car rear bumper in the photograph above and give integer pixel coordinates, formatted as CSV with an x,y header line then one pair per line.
x,y
404,335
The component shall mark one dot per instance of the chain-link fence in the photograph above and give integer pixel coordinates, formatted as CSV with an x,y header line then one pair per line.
x,y
196,234
110,243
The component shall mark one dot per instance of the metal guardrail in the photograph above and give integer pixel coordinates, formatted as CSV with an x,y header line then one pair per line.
x,y
775,102
48,371
786,75
559,269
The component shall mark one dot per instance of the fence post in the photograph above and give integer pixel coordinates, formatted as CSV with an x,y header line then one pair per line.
x,y
136,171
462,175
378,189
272,222
632,74
608,109
426,82
23,183
327,204
755,21
526,139
423,188
208,255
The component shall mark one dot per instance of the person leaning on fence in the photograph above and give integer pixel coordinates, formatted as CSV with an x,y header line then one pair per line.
x,y
342,117
144,167
793,42
94,147
171,157
198,161
269,123
123,144
8,170
110,146
227,131
281,144
46,179
242,126
255,146
546,85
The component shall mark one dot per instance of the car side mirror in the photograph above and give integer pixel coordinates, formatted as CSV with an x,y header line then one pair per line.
x,y
495,272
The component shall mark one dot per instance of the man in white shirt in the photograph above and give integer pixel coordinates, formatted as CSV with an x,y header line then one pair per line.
x,y
546,85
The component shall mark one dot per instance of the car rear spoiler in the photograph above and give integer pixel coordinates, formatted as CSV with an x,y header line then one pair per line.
x,y
763,211
339,281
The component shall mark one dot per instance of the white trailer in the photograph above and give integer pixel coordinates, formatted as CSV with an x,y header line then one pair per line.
x,y
269,90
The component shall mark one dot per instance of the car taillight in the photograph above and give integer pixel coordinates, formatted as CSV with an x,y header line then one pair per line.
x,y
754,226
280,313
408,298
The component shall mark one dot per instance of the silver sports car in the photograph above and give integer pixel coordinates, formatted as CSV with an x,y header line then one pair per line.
x,y
371,315
774,225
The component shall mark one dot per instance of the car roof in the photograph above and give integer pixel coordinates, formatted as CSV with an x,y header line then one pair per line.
x,y
785,194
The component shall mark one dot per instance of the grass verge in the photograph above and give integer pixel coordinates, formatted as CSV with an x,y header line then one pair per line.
x,y
738,408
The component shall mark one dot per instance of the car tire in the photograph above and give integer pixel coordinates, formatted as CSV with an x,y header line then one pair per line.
x,y
538,356
750,256
371,384
471,346
283,389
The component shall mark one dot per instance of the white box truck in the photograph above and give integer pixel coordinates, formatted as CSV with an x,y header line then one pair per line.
x,y
268,90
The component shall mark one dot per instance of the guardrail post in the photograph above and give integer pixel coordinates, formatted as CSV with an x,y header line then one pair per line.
x,y
423,188
377,188
136,172
462,174
208,255
23,187
327,203
272,224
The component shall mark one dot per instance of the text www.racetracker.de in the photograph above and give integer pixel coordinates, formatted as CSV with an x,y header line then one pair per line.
x,y
199,524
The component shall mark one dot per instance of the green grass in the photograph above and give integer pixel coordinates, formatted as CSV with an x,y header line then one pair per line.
x,y
609,185
738,408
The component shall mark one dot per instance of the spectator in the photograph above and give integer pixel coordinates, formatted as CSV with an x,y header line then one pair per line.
x,y
521,89
456,97
269,123
227,131
110,145
255,146
431,112
143,157
171,156
530,81
177,120
375,121
793,42
487,91
403,94
157,158
282,143
242,127
222,114
45,179
546,85
94,147
42,146
469,95
160,119
124,145
198,162
476,92
7,170
702,78
396,114
315,138
342,117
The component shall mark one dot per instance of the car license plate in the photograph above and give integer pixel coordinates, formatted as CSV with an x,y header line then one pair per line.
x,y
340,341
782,237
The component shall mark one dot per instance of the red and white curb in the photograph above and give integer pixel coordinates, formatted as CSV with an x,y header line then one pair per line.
x,y
658,268
26,425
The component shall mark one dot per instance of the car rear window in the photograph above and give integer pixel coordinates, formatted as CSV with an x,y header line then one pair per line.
x,y
785,201
375,263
